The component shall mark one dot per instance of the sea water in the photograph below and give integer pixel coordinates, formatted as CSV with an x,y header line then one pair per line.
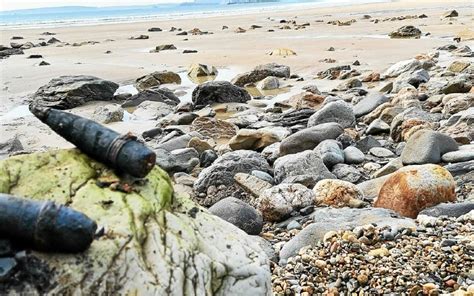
x,y
79,15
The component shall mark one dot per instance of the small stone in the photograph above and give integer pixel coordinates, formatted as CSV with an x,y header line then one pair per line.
x,y
329,235
293,225
381,152
381,252
362,279
353,155
428,288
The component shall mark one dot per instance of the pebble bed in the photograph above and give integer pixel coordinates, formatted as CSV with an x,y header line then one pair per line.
x,y
435,259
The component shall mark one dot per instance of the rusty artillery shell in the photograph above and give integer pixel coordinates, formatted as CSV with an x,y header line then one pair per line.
x,y
44,225
121,152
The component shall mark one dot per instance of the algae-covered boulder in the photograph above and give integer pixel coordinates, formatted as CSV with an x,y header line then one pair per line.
x,y
154,242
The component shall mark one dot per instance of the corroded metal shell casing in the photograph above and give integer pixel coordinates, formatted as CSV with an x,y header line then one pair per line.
x,y
44,225
120,152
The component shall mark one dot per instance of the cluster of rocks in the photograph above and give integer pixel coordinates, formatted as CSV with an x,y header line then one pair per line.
x,y
298,171
17,48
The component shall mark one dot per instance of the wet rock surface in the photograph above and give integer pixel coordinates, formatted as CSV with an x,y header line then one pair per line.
x,y
68,92
218,92
141,234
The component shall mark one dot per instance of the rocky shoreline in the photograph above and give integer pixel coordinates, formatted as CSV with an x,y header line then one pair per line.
x,y
365,188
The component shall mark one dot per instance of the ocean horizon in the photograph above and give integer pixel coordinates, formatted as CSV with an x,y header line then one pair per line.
x,y
85,15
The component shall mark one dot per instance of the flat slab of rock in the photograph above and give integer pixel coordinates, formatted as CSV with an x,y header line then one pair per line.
x,y
369,103
427,146
458,156
330,219
305,167
261,72
155,95
449,209
309,138
251,184
149,247
66,92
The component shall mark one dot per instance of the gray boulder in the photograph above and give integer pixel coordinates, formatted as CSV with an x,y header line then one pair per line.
x,y
67,92
369,103
181,160
352,155
346,172
338,111
427,146
378,126
218,92
279,202
304,167
331,153
261,72
239,213
449,209
223,169
401,67
331,219
410,79
269,83
309,138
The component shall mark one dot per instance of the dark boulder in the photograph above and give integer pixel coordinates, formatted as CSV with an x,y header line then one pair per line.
x,y
218,92
66,92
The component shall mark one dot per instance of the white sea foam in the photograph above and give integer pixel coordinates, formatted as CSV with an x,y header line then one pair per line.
x,y
178,13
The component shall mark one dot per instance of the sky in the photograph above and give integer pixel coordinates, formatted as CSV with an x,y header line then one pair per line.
x,y
25,4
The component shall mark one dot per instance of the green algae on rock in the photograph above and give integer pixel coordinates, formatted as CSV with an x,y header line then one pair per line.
x,y
154,243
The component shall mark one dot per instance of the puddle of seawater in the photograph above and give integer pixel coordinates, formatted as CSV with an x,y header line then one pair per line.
x,y
17,112
129,88
255,92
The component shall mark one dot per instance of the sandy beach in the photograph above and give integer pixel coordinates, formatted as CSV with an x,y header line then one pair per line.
x,y
363,40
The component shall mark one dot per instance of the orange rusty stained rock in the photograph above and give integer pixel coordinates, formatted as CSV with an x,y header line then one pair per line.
x,y
409,192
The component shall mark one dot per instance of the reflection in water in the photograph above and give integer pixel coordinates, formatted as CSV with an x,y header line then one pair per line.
x,y
201,79
255,92
17,112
